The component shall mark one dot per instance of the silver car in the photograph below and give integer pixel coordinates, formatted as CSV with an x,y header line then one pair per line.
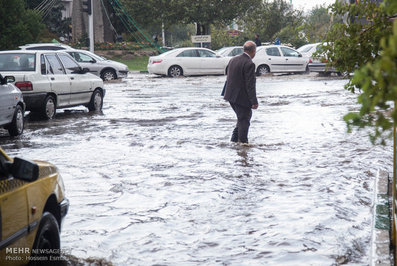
x,y
104,68
12,107
52,79
100,66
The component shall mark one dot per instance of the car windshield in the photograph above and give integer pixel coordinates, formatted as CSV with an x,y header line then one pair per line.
x,y
97,57
17,62
306,48
223,51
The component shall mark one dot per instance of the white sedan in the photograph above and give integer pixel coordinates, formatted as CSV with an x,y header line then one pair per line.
x,y
187,62
50,80
279,59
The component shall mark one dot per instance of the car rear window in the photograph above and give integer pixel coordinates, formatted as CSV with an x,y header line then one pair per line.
x,y
17,62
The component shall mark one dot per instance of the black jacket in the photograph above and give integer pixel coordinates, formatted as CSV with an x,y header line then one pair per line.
x,y
240,85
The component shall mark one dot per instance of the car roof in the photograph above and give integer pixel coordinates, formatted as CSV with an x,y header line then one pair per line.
x,y
30,51
30,45
189,48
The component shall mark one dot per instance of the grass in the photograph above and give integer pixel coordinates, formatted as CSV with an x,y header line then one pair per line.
x,y
136,64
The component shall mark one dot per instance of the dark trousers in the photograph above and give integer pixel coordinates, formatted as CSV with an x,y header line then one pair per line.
x,y
240,132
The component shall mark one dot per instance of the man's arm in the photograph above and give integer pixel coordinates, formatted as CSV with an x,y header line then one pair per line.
x,y
250,84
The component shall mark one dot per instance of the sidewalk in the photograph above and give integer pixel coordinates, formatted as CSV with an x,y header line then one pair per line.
x,y
380,243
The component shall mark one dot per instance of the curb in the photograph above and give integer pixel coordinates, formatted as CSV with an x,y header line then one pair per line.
x,y
380,244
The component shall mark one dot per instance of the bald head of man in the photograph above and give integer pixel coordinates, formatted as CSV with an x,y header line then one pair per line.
x,y
250,48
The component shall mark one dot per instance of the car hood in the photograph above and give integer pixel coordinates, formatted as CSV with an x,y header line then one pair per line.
x,y
115,64
46,168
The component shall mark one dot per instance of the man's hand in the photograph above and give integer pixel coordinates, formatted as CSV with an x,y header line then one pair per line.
x,y
254,106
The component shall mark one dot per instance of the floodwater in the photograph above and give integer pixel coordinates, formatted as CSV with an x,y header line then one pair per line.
x,y
155,180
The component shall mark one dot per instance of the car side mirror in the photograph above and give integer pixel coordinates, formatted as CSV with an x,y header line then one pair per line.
x,y
24,170
93,61
300,55
9,79
85,70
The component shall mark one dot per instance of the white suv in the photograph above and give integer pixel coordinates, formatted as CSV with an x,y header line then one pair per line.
x,y
51,80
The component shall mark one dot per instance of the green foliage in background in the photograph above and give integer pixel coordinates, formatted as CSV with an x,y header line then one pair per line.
x,y
220,37
317,24
268,18
138,63
18,25
366,45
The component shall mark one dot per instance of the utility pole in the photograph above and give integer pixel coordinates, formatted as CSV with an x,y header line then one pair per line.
x,y
163,33
87,7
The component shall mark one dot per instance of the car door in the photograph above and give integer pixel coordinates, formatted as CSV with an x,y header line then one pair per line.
x,y
14,219
210,63
189,60
7,102
86,61
80,88
293,61
274,59
60,83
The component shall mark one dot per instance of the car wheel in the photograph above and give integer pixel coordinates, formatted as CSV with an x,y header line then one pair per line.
x,y
108,74
307,70
47,237
175,71
262,69
49,109
96,102
17,124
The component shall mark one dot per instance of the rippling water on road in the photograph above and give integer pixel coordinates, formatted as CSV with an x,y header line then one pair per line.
x,y
155,180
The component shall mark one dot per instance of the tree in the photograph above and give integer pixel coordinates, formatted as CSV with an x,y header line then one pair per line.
x,y
317,24
18,25
366,45
52,16
268,18
170,12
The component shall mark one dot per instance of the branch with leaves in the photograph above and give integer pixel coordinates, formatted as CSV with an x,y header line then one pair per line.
x,y
366,46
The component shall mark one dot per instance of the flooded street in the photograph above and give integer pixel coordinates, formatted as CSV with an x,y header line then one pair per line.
x,y
155,179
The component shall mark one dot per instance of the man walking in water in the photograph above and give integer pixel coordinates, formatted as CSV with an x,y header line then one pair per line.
x,y
240,90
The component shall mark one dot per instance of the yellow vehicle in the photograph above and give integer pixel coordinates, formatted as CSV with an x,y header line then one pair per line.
x,y
32,207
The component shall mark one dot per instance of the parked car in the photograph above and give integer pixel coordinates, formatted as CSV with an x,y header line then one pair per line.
x,y
188,61
51,80
319,61
100,66
230,51
45,46
32,208
279,59
12,106
104,68
309,49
